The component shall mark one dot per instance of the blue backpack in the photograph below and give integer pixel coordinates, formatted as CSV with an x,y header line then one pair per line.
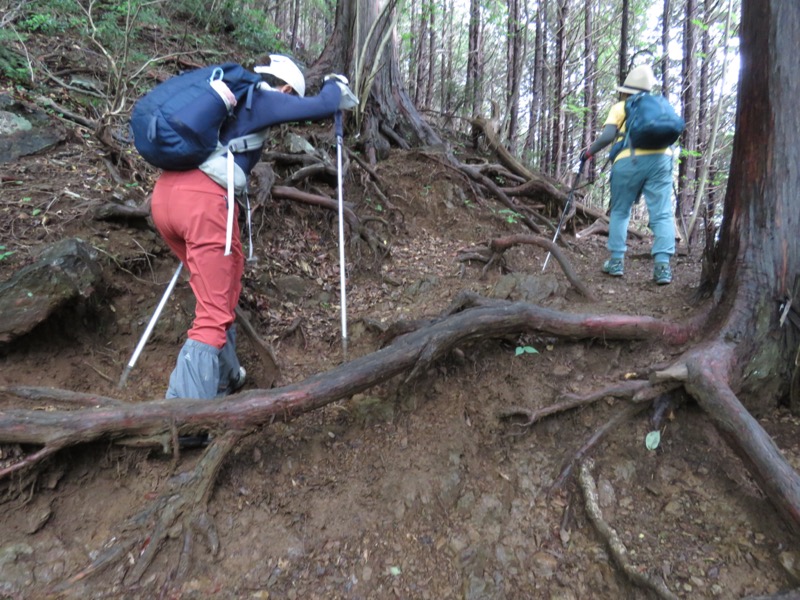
x,y
651,123
176,125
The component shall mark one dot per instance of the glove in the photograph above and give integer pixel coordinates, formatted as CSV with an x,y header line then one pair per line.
x,y
335,77
348,99
585,155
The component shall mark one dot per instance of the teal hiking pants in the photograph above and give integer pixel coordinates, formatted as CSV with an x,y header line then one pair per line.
x,y
651,175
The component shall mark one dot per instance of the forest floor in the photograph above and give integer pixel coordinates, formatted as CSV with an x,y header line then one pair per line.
x,y
417,491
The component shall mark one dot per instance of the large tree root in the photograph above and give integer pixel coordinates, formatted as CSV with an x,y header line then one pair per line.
x,y
703,371
708,372
618,551
472,318
180,510
375,242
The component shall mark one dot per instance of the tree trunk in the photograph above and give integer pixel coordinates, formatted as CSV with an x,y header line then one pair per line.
x,y
589,85
533,141
474,60
686,167
558,89
514,39
666,21
757,261
432,56
355,46
623,41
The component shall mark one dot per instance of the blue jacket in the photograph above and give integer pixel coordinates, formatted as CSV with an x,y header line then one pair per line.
x,y
271,107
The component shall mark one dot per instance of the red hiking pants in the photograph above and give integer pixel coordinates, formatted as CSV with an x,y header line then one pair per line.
x,y
190,213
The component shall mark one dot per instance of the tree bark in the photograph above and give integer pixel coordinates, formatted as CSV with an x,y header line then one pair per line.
x,y
354,47
758,257
686,167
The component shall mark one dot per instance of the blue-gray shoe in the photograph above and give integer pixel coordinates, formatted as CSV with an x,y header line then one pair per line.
x,y
237,382
662,273
614,267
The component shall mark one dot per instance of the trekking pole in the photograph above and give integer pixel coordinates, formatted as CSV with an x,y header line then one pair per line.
x,y
566,209
343,293
149,329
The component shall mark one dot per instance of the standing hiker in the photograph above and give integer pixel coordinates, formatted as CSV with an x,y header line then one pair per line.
x,y
190,210
636,171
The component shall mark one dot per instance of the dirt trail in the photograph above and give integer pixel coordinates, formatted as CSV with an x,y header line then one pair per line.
x,y
408,492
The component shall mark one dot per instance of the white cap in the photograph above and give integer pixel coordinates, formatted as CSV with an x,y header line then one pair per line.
x,y
640,79
286,70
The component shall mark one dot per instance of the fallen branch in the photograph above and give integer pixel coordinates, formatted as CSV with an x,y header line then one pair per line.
x,y
65,113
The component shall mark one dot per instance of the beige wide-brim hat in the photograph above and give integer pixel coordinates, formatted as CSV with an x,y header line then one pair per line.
x,y
640,79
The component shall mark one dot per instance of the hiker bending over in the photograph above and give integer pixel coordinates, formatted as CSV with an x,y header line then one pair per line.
x,y
190,210
634,172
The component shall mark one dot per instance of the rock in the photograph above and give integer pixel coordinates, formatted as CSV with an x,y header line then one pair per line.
x,y
293,287
476,589
790,561
605,493
15,572
450,489
25,130
37,515
544,565
65,273
528,288
298,145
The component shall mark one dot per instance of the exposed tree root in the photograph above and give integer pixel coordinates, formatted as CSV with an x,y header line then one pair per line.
x,y
624,414
599,226
500,245
523,417
290,193
55,395
492,254
618,551
111,211
377,244
272,372
709,372
470,319
180,510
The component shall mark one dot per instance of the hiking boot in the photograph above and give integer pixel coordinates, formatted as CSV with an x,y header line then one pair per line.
x,y
189,442
614,267
237,383
662,273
